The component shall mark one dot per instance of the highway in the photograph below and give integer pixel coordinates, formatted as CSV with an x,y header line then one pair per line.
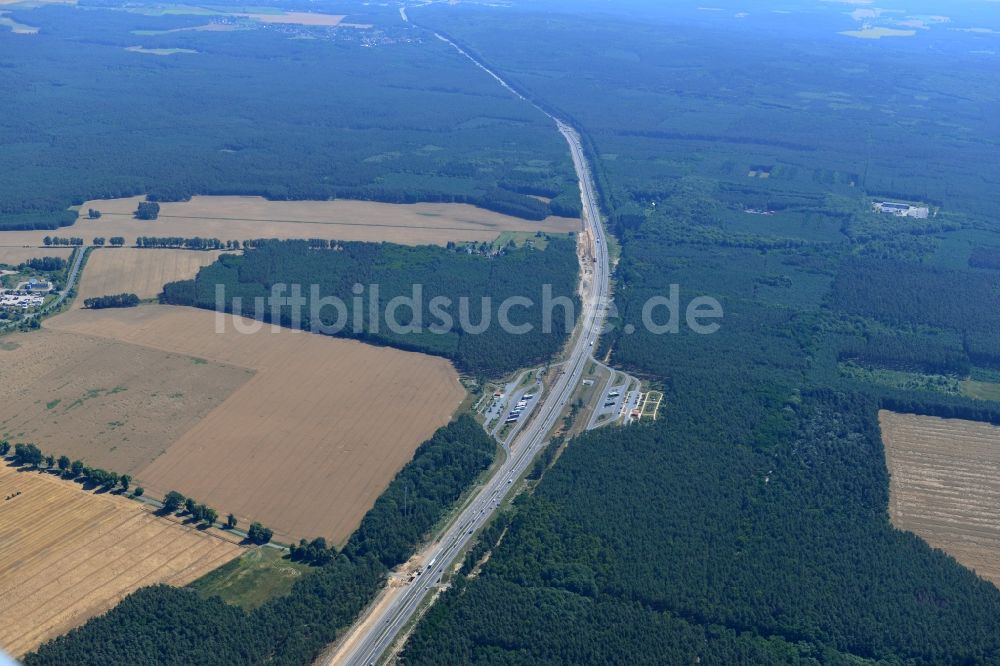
x,y
375,632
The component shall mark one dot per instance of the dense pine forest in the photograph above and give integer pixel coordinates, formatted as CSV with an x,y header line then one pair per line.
x,y
287,113
484,282
749,524
759,538
736,157
176,627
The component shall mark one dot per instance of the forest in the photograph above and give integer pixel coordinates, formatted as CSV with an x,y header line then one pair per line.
x,y
739,542
45,264
274,115
985,257
960,300
716,107
913,353
177,627
749,524
909,294
385,272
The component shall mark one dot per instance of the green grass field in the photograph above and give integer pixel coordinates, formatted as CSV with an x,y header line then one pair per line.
x,y
248,582
520,238
913,381
980,390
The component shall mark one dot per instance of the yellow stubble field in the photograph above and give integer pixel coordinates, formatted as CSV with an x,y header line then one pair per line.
x,y
67,555
15,255
142,272
242,218
113,405
945,485
310,441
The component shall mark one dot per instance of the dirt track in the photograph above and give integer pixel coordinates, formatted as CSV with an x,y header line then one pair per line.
x,y
945,485
67,555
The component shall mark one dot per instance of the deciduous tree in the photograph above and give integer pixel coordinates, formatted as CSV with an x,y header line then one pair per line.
x,y
172,501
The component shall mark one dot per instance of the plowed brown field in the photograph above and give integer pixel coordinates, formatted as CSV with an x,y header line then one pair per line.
x,y
142,272
67,555
241,218
307,444
945,485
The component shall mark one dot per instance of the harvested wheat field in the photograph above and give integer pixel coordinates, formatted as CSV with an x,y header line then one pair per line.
x,y
67,554
307,444
17,255
111,404
945,485
241,218
142,272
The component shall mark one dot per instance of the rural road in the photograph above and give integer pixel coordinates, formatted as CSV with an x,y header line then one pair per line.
x,y
70,279
375,632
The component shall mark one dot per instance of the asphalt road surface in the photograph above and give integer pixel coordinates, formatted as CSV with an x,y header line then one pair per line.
x,y
74,271
376,631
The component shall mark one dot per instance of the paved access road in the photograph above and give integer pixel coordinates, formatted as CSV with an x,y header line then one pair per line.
x,y
71,276
376,631
70,279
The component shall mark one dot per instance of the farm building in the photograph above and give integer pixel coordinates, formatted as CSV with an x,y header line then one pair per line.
x,y
901,209
37,285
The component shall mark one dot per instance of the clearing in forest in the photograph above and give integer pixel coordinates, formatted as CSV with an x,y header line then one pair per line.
x,y
310,441
945,485
242,218
142,272
67,554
